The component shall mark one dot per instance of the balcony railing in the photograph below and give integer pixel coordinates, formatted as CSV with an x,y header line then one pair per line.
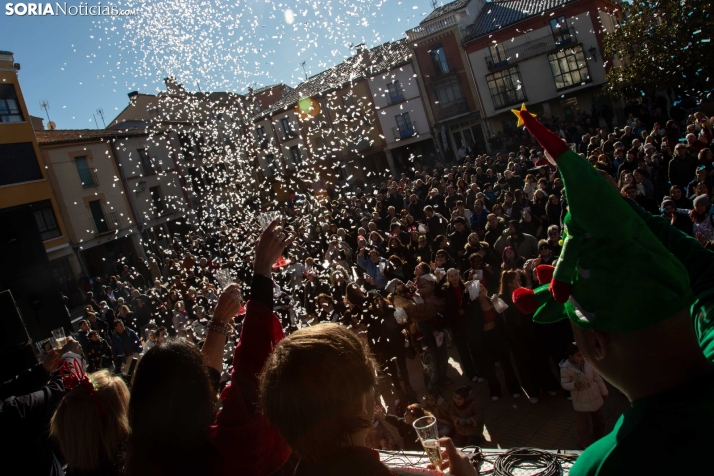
x,y
453,108
88,178
405,132
531,48
432,27
395,99
108,224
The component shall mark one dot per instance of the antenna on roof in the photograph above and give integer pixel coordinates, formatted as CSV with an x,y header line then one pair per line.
x,y
434,4
45,104
303,69
95,120
100,111
198,84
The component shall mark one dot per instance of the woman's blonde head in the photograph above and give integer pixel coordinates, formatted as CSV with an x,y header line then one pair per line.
x,y
88,437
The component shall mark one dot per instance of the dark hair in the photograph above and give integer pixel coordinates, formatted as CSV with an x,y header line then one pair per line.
x,y
433,392
171,408
315,415
572,349
463,391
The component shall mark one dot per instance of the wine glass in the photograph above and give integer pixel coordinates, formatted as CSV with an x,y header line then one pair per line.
x,y
429,436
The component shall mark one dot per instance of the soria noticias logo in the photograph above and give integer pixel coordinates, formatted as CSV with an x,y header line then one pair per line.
x,y
57,9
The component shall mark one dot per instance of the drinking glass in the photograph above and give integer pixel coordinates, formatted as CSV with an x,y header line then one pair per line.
x,y
59,336
267,218
429,436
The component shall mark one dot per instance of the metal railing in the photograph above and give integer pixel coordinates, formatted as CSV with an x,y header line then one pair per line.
x,y
88,177
531,48
108,224
405,132
396,99
432,27
446,110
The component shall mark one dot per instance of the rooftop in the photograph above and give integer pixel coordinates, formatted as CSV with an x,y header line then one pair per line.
x,y
363,64
81,135
500,14
444,9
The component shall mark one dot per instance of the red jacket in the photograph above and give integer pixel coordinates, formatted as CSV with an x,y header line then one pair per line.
x,y
246,440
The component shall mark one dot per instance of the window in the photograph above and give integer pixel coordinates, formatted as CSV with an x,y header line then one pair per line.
x,y
9,106
404,125
498,55
348,100
439,58
260,132
449,93
561,33
157,200
18,163
395,92
86,175
100,223
186,145
269,165
569,68
287,129
45,219
145,162
506,88
295,155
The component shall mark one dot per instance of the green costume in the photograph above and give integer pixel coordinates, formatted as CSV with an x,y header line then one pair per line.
x,y
623,270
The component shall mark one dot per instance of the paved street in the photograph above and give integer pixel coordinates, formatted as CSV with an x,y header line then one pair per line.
x,y
549,424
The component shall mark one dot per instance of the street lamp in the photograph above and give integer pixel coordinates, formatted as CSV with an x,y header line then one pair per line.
x,y
593,52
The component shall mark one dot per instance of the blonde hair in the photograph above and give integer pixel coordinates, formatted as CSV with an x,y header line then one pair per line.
x,y
86,440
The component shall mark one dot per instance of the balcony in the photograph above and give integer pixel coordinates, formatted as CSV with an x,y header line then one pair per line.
x,y
432,27
405,132
453,108
395,99
88,178
110,223
531,48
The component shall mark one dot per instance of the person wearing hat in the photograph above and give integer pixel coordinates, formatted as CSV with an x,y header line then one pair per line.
x,y
702,218
639,295
679,218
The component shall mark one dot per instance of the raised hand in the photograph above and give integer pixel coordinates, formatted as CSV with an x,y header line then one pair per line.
x,y
269,247
228,304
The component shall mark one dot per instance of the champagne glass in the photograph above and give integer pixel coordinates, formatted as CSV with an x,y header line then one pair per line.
x,y
59,336
429,436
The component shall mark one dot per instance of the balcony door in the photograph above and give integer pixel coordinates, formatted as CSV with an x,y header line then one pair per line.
x,y
98,215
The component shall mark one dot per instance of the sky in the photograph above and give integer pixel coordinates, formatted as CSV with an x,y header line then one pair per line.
x,y
79,64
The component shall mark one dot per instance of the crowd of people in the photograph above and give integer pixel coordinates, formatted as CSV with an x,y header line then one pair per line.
x,y
425,261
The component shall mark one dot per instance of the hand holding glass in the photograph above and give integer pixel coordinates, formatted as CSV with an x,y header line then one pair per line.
x,y
429,436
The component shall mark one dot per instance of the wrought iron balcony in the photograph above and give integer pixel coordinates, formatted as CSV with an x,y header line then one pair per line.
x,y
405,132
453,108
108,224
395,99
531,48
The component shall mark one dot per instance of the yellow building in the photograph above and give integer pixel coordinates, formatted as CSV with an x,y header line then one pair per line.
x,y
28,210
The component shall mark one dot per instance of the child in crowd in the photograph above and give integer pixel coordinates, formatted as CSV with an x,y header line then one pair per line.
x,y
467,418
379,438
441,409
588,392
404,425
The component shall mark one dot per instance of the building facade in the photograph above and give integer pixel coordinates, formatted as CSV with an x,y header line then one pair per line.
x,y
546,55
33,231
451,95
93,201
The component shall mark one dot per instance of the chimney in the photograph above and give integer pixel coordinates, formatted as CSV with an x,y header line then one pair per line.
x,y
7,60
37,123
132,97
363,56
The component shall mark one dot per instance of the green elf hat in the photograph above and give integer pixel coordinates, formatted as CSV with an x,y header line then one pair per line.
x,y
613,273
